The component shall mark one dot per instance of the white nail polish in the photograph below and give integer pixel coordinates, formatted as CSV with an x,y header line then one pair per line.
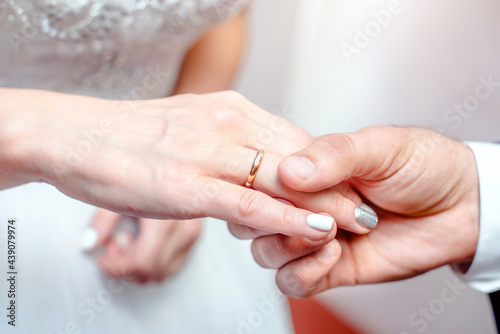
x,y
88,239
320,222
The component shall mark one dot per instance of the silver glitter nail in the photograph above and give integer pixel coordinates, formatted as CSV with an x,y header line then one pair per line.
x,y
366,218
367,208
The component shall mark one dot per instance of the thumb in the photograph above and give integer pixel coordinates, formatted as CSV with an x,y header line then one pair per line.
x,y
100,230
333,158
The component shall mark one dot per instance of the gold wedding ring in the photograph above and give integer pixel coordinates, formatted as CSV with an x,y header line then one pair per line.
x,y
255,168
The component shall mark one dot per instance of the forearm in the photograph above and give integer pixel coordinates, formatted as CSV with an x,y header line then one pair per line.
x,y
211,64
32,123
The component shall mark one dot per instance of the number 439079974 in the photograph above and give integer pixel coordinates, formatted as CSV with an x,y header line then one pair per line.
x,y
11,245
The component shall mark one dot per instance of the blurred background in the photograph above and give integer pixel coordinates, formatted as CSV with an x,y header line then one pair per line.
x,y
339,65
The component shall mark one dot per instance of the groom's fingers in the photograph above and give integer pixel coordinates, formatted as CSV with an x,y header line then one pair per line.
x,y
308,275
340,204
334,158
237,204
274,251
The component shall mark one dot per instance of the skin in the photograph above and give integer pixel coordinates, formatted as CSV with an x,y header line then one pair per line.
x,y
162,246
181,157
424,187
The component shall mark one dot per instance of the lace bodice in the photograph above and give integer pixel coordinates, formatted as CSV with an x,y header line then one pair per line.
x,y
102,47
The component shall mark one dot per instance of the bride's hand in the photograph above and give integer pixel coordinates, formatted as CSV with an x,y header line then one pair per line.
x,y
157,252
182,157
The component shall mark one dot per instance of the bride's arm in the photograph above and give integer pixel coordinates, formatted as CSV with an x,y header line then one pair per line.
x,y
211,63
180,157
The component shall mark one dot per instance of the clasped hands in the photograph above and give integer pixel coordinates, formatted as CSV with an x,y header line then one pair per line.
x,y
188,157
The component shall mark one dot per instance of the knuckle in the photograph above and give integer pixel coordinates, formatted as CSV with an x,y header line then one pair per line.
x,y
303,138
233,95
221,114
272,251
279,246
336,203
190,97
297,281
338,144
249,204
288,218
260,255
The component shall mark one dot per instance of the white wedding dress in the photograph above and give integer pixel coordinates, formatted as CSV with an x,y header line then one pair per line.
x,y
105,49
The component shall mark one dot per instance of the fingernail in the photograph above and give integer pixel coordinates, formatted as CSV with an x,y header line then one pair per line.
x,y
328,251
320,222
367,208
88,239
366,217
302,167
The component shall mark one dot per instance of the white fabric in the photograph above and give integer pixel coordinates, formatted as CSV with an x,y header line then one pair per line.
x,y
105,49
484,272
102,47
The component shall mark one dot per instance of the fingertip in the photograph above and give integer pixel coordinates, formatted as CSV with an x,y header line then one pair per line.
x,y
288,177
330,252
366,217
307,275
309,225
320,222
89,240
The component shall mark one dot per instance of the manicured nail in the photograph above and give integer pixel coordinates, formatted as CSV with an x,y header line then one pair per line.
x,y
366,217
328,251
367,208
320,222
302,167
88,239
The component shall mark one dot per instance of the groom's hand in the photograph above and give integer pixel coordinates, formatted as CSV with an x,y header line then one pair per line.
x,y
424,187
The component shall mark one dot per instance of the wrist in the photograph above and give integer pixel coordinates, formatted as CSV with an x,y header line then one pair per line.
x,y
20,156
470,208
37,131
